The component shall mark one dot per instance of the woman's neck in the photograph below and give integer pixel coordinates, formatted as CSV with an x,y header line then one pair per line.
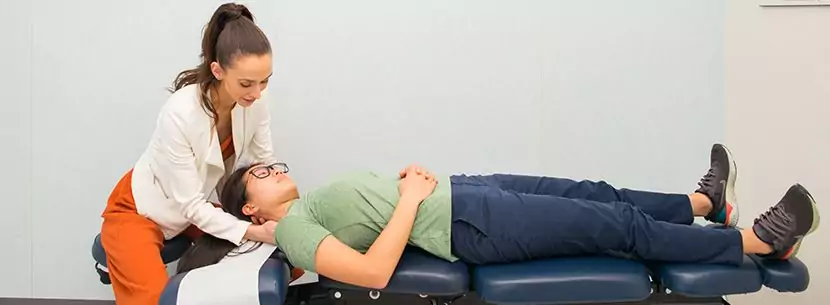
x,y
279,212
222,102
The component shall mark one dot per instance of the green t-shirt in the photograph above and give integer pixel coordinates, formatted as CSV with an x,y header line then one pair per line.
x,y
355,209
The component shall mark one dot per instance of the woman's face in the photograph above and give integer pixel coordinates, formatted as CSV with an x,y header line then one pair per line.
x,y
267,188
245,79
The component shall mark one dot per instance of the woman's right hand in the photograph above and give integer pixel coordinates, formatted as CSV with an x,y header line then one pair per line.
x,y
417,186
258,220
262,233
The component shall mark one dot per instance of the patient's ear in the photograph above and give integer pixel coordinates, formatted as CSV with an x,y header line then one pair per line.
x,y
249,209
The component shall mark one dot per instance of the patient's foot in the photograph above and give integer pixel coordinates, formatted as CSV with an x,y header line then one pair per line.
x,y
719,186
785,224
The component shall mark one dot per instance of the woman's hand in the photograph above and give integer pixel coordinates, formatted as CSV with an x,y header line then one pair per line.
x,y
258,220
269,226
415,186
262,233
414,168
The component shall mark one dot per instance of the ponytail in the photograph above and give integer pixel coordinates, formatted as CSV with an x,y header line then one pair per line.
x,y
205,251
208,249
230,32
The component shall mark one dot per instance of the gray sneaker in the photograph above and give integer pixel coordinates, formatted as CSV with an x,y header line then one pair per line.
x,y
719,185
785,224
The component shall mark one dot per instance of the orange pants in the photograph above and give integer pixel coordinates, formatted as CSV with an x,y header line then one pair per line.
x,y
133,246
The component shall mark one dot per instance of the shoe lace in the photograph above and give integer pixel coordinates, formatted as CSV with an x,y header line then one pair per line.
x,y
775,220
708,179
773,211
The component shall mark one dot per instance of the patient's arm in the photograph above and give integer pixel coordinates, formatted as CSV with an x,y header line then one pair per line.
x,y
340,262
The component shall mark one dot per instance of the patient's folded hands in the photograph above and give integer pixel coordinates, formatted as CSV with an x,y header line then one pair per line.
x,y
416,187
416,169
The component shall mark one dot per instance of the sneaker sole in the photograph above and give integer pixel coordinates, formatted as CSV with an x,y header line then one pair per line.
x,y
816,215
731,196
813,227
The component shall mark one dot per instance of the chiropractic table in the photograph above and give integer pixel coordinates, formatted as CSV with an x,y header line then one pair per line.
x,y
421,278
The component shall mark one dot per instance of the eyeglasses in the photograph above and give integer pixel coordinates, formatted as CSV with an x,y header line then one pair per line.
x,y
263,171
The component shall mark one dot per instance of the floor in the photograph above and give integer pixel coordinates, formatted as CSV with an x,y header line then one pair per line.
x,y
52,302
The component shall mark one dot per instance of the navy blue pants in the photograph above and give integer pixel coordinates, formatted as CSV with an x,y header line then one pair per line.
x,y
510,218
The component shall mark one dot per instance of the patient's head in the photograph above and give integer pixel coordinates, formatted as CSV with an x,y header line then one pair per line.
x,y
260,190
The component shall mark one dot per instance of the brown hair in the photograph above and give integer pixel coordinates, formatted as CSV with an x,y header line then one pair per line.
x,y
208,249
231,32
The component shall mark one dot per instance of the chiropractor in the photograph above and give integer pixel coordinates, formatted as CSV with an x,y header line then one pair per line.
x,y
213,118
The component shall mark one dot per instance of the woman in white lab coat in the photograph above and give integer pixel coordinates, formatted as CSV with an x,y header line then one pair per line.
x,y
213,119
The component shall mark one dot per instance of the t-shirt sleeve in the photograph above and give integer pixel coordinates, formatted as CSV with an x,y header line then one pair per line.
x,y
298,237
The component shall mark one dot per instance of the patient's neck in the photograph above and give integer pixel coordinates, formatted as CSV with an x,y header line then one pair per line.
x,y
276,214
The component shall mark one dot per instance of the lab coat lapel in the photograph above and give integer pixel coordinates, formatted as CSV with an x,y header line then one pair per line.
x,y
238,130
214,157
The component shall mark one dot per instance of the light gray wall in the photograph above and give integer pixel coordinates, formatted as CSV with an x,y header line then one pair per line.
x,y
99,73
629,91
15,185
777,94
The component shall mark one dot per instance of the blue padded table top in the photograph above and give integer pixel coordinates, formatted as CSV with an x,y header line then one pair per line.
x,y
419,272
783,276
702,280
564,280
606,279
710,280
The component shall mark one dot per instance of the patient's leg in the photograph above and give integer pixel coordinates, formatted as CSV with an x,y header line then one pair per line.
x,y
709,200
674,208
491,225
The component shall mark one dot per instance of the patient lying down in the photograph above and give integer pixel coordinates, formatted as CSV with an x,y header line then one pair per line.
x,y
355,228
